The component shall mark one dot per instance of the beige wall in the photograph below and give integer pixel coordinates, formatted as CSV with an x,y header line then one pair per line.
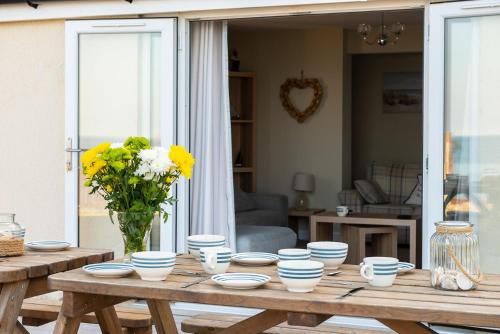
x,y
32,126
284,146
376,135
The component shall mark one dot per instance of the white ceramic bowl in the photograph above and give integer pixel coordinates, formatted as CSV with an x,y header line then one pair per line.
x,y
153,266
331,253
195,242
300,275
288,254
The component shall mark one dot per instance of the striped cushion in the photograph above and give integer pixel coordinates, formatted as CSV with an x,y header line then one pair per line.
x,y
371,192
396,180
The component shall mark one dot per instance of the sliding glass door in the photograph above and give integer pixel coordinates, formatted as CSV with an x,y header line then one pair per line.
x,y
120,83
464,107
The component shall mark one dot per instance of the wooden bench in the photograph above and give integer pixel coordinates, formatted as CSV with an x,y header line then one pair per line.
x,y
37,312
212,323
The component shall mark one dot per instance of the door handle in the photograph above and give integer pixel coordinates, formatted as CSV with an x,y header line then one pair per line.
x,y
69,153
71,150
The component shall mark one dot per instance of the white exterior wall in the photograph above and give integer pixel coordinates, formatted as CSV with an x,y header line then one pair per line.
x,y
32,126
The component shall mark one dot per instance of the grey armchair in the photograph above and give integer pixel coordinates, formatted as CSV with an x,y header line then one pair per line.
x,y
261,223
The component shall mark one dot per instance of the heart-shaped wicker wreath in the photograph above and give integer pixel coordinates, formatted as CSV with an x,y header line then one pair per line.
x,y
288,85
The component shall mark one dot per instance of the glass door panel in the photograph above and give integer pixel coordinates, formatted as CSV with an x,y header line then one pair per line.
x,y
472,129
118,88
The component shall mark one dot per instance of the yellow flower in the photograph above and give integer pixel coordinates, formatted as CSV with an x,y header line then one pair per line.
x,y
102,147
88,157
183,160
109,188
95,167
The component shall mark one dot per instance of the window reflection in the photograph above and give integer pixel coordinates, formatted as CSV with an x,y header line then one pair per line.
x,y
472,130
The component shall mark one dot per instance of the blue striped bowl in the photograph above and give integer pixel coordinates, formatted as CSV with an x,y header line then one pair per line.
x,y
331,253
300,275
153,265
241,281
195,242
288,254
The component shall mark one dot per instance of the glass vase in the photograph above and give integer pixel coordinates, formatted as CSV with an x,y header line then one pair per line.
x,y
136,229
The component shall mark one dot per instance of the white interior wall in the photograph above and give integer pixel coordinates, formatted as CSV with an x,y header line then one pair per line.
x,y
379,136
284,146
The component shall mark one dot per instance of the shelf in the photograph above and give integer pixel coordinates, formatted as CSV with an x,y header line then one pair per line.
x,y
242,121
241,74
243,169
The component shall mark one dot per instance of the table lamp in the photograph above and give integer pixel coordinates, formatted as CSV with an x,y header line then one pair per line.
x,y
303,183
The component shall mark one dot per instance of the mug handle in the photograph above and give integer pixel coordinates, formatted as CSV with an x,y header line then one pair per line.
x,y
366,268
211,259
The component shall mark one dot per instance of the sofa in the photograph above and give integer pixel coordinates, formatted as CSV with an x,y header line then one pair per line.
x,y
262,223
397,181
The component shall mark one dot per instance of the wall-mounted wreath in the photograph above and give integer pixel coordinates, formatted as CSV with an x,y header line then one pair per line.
x,y
302,83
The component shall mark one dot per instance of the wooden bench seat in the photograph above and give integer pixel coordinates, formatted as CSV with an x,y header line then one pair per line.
x,y
212,323
37,312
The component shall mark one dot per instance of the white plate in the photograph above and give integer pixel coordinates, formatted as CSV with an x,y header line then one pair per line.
x,y
48,245
255,258
404,267
108,269
241,281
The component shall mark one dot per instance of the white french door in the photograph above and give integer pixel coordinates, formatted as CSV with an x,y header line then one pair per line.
x,y
463,121
120,81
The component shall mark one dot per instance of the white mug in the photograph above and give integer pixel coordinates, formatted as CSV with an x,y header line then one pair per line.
x,y
342,211
215,260
379,271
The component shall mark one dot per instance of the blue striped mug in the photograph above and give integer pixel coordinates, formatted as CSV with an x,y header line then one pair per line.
x,y
379,271
215,260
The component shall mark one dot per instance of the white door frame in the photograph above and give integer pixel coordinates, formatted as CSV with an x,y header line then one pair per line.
x,y
168,104
434,132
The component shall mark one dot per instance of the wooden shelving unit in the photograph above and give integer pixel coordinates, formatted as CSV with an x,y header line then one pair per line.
x,y
242,98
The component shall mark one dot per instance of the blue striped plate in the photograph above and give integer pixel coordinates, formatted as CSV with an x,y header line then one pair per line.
x,y
241,281
255,258
108,269
404,267
48,245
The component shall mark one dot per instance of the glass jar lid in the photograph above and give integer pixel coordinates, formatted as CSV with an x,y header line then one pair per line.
x,y
453,227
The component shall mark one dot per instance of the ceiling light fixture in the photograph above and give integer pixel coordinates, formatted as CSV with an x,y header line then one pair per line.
x,y
386,35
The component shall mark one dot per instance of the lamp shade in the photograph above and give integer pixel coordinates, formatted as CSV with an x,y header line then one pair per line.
x,y
303,182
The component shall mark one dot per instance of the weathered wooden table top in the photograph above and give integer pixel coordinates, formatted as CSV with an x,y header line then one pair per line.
x,y
411,298
39,264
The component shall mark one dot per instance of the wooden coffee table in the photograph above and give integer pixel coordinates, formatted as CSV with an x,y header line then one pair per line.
x,y
321,228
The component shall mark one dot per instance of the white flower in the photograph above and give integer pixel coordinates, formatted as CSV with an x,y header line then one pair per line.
x,y
159,165
148,155
116,145
154,162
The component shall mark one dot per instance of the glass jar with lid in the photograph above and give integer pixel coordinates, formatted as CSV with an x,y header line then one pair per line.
x,y
455,256
11,235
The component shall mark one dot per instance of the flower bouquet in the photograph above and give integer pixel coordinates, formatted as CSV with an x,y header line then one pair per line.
x,y
135,180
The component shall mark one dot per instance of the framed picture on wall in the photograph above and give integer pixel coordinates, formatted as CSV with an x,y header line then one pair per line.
x,y
402,92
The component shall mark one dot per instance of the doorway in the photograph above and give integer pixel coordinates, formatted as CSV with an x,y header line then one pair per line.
x,y
120,79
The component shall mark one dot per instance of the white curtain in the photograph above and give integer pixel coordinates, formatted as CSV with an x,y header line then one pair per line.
x,y
212,201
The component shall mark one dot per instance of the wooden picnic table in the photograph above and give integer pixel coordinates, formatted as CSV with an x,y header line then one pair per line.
x,y
403,307
26,276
